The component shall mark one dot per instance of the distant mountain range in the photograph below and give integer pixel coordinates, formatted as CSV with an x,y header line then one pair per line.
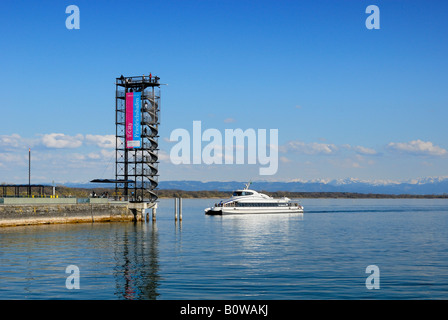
x,y
421,186
436,186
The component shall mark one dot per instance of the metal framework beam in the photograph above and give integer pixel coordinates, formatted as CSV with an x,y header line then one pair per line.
x,y
136,168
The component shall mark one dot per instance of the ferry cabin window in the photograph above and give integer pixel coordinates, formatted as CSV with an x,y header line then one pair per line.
x,y
261,204
242,193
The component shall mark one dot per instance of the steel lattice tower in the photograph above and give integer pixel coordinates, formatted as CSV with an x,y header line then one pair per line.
x,y
136,144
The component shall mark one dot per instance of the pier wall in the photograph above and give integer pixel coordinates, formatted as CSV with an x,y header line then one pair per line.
x,y
27,211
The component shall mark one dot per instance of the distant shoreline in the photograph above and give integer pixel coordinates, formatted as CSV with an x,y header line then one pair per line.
x,y
165,193
63,191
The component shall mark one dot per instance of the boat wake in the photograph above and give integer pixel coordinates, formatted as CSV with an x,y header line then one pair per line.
x,y
375,210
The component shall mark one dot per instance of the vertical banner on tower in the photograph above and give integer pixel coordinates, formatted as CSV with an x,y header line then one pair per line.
x,y
133,119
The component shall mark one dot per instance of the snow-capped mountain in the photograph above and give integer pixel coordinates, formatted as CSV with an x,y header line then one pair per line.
x,y
429,185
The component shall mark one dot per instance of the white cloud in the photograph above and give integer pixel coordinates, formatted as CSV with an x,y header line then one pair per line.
x,y
56,156
76,157
364,150
229,120
12,157
360,149
417,147
285,160
102,141
164,156
107,154
346,163
13,140
316,148
94,155
60,140
309,148
56,141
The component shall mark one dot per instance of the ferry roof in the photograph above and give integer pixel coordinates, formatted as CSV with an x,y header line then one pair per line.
x,y
252,196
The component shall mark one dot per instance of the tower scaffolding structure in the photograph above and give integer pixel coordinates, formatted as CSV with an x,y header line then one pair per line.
x,y
137,119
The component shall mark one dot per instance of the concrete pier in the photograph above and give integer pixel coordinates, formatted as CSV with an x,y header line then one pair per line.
x,y
154,209
32,211
139,210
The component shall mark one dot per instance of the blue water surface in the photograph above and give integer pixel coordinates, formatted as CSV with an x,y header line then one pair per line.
x,y
322,254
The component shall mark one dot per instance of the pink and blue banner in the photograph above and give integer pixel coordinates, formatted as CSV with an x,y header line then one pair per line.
x,y
133,119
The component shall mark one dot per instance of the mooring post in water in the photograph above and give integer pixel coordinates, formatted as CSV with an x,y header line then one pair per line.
x,y
180,208
175,209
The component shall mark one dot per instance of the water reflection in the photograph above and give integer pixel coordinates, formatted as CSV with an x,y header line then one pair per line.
x,y
260,238
136,269
260,224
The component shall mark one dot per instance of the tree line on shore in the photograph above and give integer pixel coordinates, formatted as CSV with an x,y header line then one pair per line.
x,y
293,195
63,191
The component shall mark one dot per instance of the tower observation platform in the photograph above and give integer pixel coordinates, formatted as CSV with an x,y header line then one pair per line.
x,y
137,119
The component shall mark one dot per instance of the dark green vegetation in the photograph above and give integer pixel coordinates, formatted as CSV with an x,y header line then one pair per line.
x,y
62,191
293,195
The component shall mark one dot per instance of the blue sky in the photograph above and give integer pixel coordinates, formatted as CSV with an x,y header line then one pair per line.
x,y
347,101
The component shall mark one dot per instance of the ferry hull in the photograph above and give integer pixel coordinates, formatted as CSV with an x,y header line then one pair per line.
x,y
226,211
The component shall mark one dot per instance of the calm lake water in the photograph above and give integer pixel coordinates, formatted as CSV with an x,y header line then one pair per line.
x,y
322,254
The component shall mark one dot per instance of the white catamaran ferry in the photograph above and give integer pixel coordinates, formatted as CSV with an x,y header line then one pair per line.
x,y
249,202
